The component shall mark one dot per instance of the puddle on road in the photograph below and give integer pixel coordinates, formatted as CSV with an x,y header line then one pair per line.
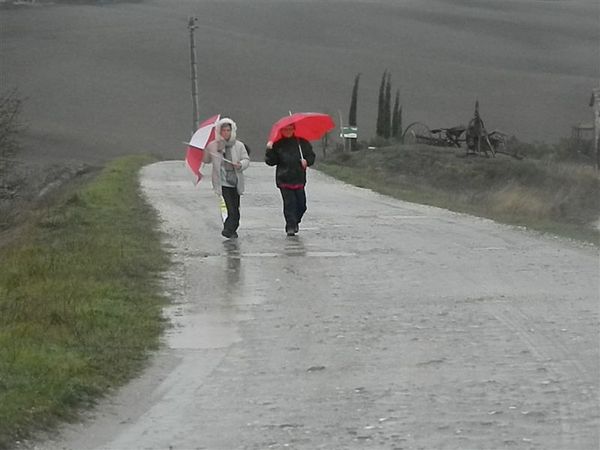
x,y
290,252
200,325
398,216
200,331
329,254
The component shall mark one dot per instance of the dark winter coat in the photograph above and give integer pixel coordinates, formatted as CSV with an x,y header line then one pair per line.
x,y
285,154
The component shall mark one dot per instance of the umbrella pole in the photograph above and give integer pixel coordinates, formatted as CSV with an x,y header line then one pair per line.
x,y
298,141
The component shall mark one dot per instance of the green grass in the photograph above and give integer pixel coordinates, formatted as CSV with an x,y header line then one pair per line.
x,y
549,196
79,301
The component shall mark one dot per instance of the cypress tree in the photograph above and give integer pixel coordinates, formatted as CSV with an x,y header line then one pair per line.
x,y
380,106
395,115
352,114
400,129
387,106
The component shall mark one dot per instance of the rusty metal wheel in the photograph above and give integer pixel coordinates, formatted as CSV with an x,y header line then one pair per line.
x,y
417,133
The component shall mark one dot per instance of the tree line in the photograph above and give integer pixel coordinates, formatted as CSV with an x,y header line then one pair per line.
x,y
389,117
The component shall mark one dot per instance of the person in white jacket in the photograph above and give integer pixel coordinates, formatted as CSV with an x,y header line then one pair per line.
x,y
229,158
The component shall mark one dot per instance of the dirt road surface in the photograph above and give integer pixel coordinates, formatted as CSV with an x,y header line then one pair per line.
x,y
383,324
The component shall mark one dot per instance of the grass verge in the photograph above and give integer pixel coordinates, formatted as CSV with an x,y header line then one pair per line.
x,y
555,197
79,301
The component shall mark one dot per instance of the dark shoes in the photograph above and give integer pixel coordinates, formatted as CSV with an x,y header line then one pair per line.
x,y
291,231
229,234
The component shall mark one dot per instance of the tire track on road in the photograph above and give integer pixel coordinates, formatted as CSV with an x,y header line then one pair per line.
x,y
574,383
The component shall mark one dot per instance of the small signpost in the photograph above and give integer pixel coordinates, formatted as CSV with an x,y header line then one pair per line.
x,y
349,132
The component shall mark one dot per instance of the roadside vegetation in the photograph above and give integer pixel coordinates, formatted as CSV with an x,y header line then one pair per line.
x,y
79,301
552,189
11,126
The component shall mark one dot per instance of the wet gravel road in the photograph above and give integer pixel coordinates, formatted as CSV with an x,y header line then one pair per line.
x,y
383,324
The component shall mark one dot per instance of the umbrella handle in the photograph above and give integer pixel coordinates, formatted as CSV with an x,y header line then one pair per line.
x,y
300,148
302,160
221,156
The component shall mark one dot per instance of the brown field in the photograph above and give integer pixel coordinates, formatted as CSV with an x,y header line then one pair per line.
x,y
103,81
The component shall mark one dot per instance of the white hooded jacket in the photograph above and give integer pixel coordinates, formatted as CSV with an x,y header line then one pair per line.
x,y
213,153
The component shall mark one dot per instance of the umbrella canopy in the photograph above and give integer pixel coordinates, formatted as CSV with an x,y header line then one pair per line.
x,y
200,139
309,125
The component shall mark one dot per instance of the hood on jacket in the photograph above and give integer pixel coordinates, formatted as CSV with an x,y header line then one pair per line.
x,y
218,136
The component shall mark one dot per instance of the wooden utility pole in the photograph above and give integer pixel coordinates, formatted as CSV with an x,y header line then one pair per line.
x,y
192,26
595,103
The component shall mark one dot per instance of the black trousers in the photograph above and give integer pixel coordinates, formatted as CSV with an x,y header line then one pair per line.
x,y
294,206
232,201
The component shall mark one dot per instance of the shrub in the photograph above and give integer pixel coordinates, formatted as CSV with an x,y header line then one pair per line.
x,y
567,149
10,123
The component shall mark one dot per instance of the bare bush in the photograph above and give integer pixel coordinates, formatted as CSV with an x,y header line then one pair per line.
x,y
10,122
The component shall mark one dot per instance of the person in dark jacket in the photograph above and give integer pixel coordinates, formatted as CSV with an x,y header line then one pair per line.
x,y
292,155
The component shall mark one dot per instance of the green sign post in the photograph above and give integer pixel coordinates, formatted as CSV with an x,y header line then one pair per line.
x,y
349,132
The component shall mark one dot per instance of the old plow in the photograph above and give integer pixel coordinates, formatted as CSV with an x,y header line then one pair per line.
x,y
474,137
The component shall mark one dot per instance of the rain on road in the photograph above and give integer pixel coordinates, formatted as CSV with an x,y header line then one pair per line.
x,y
383,324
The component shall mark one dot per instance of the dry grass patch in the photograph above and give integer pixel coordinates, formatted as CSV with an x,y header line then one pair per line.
x,y
552,196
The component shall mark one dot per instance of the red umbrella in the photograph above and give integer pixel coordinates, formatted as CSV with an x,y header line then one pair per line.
x,y
309,125
200,139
